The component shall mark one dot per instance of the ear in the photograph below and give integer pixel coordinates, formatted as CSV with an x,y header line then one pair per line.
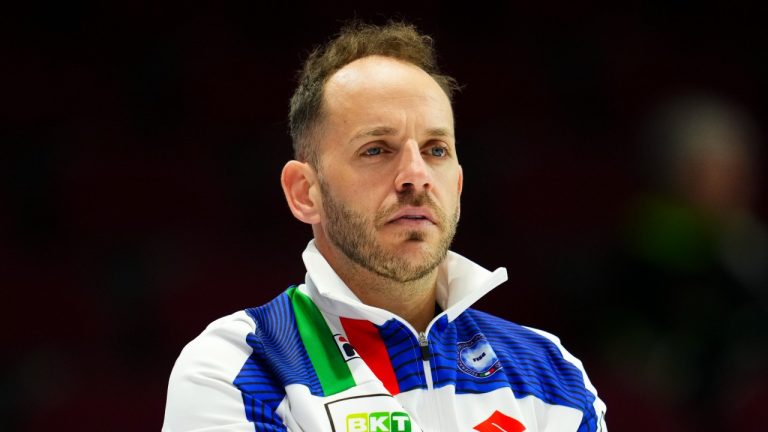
x,y
461,179
461,186
297,179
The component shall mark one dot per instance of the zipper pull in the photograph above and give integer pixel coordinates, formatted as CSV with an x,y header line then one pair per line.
x,y
424,344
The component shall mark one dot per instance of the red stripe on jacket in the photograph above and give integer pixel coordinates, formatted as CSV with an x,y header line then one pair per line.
x,y
365,338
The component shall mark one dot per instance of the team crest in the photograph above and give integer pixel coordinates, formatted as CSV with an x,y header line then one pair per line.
x,y
476,357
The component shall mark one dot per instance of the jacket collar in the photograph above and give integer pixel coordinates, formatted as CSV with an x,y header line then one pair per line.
x,y
460,283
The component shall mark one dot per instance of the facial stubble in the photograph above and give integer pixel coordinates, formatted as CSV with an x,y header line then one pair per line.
x,y
355,236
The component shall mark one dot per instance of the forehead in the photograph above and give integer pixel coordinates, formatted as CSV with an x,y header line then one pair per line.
x,y
380,70
374,88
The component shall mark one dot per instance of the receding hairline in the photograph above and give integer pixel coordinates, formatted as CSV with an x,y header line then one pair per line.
x,y
376,130
384,59
362,68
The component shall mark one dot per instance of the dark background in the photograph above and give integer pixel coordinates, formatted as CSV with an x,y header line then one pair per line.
x,y
142,145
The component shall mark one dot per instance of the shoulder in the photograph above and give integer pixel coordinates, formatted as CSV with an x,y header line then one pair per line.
x,y
203,373
267,316
526,346
227,342
537,364
514,336
222,343
221,369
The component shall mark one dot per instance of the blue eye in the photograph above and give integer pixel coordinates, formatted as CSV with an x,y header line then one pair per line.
x,y
438,151
373,151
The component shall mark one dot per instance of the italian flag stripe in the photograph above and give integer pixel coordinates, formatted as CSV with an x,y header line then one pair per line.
x,y
364,336
332,371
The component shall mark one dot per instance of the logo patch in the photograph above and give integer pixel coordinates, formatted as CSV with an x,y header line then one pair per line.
x,y
346,349
476,357
379,422
369,413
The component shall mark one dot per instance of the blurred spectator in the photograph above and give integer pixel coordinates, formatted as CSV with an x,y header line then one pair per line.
x,y
677,307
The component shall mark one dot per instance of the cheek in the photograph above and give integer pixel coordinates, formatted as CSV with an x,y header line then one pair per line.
x,y
451,185
363,197
363,186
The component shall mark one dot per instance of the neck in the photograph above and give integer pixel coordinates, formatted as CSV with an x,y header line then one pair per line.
x,y
413,301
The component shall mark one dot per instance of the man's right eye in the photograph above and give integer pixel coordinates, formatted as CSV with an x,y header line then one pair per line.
x,y
373,151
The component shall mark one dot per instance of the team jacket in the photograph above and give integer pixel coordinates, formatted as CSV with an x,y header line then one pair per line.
x,y
316,359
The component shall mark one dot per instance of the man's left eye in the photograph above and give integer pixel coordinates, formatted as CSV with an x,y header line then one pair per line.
x,y
438,151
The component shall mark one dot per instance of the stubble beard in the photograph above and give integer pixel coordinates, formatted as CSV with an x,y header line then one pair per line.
x,y
355,236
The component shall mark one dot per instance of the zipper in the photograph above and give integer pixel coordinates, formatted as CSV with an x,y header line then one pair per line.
x,y
425,357
424,344
434,416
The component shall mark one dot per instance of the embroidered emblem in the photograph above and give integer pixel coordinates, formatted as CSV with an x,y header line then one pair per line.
x,y
476,357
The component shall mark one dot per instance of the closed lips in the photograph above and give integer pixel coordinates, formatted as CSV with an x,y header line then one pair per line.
x,y
413,214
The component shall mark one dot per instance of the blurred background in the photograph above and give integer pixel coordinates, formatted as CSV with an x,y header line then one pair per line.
x,y
614,162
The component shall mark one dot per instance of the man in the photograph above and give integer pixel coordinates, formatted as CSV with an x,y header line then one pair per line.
x,y
379,337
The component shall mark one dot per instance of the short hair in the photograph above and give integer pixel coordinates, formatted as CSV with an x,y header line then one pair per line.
x,y
356,40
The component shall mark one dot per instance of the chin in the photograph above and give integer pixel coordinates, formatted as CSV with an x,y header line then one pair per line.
x,y
418,249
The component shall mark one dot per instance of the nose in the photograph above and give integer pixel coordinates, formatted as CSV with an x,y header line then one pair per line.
x,y
413,172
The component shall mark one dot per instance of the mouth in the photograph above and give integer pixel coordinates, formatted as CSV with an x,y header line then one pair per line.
x,y
413,216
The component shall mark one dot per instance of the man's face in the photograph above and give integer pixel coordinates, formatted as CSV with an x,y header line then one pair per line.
x,y
389,178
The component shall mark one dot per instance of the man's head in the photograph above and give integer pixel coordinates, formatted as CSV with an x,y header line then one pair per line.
x,y
378,175
356,40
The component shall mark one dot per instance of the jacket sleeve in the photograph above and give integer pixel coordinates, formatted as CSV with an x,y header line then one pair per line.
x,y
202,395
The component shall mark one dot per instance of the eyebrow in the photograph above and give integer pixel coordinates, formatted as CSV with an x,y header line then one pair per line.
x,y
439,132
388,131
376,132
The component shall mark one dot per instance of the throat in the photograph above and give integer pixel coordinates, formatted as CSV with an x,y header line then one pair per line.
x,y
413,301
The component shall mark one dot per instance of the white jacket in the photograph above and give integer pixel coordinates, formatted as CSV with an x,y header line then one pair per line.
x,y
316,359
